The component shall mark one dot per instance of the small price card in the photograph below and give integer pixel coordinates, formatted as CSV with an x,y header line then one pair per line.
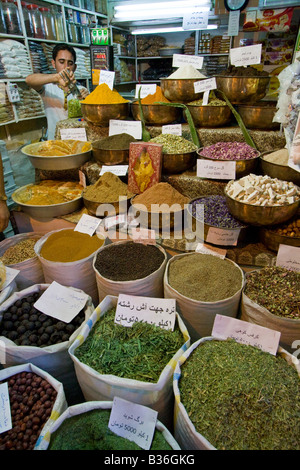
x,y
175,129
219,236
196,19
10,276
234,23
78,133
216,170
133,128
61,302
119,170
210,250
5,414
146,90
246,55
288,257
13,92
205,85
107,77
133,422
246,333
180,60
87,224
160,312
114,221
143,235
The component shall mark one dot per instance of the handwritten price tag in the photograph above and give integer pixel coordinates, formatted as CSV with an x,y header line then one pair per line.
x,y
87,224
78,133
219,236
119,170
175,129
216,170
205,85
246,55
160,312
180,60
107,77
5,415
133,128
288,257
246,333
133,422
146,90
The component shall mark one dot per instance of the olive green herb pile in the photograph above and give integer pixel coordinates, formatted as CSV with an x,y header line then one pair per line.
x,y
140,352
241,398
89,431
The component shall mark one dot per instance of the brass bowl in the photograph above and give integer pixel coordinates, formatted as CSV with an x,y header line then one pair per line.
x,y
106,209
241,90
259,115
282,172
156,114
160,221
272,240
180,90
110,157
173,163
242,167
101,114
258,215
209,116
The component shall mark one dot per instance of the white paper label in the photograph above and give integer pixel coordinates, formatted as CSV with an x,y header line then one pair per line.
x,y
216,169
107,77
159,312
10,276
119,219
234,23
133,422
196,19
78,133
246,333
13,92
133,128
146,90
288,257
246,55
175,129
87,224
180,60
5,414
206,250
144,235
205,85
119,170
219,236
61,302
205,98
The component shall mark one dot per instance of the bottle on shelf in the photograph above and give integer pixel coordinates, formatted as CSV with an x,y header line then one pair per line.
x,y
12,18
48,23
27,20
3,29
59,24
37,21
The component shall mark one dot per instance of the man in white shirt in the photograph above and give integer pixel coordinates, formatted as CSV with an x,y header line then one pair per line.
x,y
55,88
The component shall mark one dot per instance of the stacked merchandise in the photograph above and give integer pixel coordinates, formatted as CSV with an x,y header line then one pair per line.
x,y
220,45
30,104
47,51
215,65
149,47
14,60
189,45
83,69
39,61
124,71
6,111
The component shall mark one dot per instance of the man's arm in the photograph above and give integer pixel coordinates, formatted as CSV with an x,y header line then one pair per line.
x,y
38,80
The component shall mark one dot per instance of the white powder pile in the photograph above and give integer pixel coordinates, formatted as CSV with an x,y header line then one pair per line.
x,y
188,71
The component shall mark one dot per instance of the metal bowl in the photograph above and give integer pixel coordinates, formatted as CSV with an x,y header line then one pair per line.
x,y
174,163
180,89
161,221
242,167
65,162
156,114
259,116
282,172
258,215
272,240
46,212
110,157
100,114
241,90
101,209
210,116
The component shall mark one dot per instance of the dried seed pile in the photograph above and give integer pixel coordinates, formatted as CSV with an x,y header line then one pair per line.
x,y
22,251
174,143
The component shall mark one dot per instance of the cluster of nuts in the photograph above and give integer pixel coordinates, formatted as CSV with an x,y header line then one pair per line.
x,y
25,325
31,402
289,229
263,191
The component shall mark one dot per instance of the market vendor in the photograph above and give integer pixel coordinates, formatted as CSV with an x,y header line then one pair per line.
x,y
55,89
4,211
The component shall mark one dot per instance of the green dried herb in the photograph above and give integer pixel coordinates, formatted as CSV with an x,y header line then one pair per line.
x,y
139,352
89,431
241,398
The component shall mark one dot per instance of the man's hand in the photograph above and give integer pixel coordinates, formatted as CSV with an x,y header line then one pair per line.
x,y
83,93
4,216
65,78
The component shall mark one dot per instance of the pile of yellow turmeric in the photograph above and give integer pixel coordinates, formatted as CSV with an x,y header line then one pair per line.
x,y
104,95
157,96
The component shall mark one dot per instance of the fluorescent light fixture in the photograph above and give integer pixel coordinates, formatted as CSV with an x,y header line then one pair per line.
x,y
160,5
173,9
174,29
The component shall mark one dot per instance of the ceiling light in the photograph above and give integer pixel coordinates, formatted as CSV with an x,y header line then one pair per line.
x,y
174,29
148,11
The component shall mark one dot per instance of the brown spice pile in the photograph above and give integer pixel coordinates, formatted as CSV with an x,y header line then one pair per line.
x,y
161,193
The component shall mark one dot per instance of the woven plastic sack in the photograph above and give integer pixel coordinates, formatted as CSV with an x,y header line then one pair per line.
x,y
100,405
59,406
7,291
96,386
149,286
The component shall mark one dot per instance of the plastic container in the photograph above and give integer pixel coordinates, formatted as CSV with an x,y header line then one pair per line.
x,y
27,20
48,23
59,24
12,18
37,21
88,5
3,29
72,32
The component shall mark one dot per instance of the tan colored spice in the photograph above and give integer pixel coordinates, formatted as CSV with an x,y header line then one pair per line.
x,y
161,193
108,188
22,251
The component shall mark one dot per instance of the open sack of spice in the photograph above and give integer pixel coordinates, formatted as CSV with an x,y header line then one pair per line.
x,y
28,335
233,396
135,363
271,299
36,400
85,427
17,252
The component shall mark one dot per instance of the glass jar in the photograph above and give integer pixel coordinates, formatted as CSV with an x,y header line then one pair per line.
x,y
86,38
27,20
48,23
88,5
37,21
59,24
3,29
72,32
12,18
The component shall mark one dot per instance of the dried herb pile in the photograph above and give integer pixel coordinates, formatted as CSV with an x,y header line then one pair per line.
x,y
241,398
139,352
277,289
89,431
